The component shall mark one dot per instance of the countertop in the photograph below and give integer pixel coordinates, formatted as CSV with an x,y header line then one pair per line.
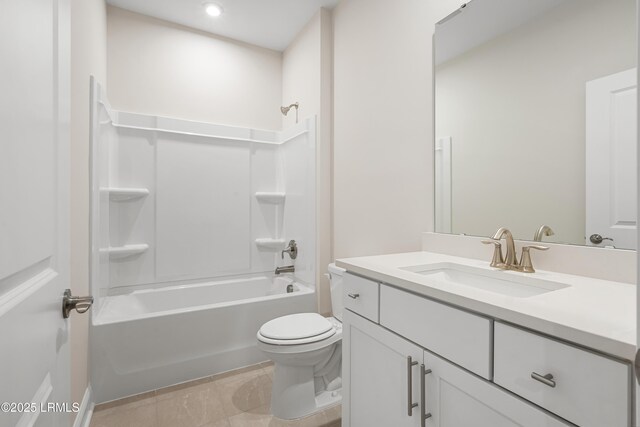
x,y
594,313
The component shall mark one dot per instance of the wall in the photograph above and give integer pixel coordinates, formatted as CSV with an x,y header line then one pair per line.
x,y
163,69
383,173
307,79
532,143
88,57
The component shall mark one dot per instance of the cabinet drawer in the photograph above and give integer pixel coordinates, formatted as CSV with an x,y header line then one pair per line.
x,y
456,335
586,389
360,295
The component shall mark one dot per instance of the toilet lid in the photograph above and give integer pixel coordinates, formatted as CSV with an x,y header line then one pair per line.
x,y
296,326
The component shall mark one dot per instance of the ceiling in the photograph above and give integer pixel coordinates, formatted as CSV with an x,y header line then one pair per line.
x,y
481,21
268,23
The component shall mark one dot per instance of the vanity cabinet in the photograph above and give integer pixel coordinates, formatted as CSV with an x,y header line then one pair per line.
x,y
583,387
456,398
478,371
466,339
361,296
383,375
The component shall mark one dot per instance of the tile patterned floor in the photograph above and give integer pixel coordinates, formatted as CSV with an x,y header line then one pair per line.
x,y
236,399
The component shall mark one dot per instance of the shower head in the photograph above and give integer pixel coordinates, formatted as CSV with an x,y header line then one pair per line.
x,y
285,110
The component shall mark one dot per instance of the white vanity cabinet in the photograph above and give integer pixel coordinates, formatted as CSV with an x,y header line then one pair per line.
x,y
379,372
456,398
477,369
583,387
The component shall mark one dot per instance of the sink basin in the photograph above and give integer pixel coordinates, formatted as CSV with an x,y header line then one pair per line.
x,y
499,282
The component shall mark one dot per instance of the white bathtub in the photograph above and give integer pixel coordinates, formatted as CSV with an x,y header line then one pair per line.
x,y
154,338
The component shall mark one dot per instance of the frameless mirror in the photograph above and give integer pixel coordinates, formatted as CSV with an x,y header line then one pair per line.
x,y
535,113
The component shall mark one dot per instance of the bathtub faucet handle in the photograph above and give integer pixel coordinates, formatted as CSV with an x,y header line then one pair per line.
x,y
292,250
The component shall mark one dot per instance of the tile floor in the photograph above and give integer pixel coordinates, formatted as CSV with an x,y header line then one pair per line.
x,y
235,399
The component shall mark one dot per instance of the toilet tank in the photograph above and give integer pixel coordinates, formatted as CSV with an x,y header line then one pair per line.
x,y
335,278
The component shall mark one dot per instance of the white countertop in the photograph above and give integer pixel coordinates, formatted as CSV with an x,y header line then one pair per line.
x,y
595,313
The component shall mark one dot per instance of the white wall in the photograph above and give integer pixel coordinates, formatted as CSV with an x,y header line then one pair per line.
x,y
163,69
307,79
88,57
383,173
515,109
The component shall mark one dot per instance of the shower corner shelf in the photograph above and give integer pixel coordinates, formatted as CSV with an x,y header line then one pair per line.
x,y
270,196
123,194
119,252
271,244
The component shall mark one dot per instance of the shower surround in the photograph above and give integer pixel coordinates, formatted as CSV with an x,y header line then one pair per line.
x,y
187,223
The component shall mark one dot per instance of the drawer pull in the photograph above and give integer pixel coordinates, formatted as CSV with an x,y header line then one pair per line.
x,y
424,415
410,405
544,379
353,296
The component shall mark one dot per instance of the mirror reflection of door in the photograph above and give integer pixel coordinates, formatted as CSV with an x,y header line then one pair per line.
x,y
611,135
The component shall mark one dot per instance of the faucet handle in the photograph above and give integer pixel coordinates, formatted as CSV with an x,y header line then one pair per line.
x,y
291,249
525,260
497,260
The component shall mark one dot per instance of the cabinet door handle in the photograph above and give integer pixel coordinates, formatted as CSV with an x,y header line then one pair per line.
x,y
353,296
410,404
424,415
544,379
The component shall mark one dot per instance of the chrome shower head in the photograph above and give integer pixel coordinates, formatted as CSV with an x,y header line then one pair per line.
x,y
285,110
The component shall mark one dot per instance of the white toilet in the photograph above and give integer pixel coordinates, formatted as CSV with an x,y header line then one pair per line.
x,y
306,349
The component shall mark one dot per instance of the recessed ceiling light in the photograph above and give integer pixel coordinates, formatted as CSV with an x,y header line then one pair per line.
x,y
212,9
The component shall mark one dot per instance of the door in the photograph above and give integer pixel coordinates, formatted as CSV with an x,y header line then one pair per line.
x,y
382,382
34,259
611,140
457,398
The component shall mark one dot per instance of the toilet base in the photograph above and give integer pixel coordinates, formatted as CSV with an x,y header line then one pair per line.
x,y
293,393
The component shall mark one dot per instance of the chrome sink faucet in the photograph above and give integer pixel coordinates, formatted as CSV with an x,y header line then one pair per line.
x,y
544,230
510,261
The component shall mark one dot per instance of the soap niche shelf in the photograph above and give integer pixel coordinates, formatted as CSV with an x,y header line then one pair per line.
x,y
120,252
270,244
124,194
270,197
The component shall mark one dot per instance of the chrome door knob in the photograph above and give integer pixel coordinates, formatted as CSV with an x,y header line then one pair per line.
x,y
596,239
79,304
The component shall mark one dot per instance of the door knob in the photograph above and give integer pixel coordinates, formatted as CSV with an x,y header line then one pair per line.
x,y
79,304
596,239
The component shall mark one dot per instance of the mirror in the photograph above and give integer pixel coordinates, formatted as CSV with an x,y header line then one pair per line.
x,y
535,120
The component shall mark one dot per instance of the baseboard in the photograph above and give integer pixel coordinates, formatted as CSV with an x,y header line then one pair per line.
x,y
83,417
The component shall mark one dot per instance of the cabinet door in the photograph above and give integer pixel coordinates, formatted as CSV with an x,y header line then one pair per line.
x,y
377,376
457,398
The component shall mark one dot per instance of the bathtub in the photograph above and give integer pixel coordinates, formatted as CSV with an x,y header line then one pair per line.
x,y
154,338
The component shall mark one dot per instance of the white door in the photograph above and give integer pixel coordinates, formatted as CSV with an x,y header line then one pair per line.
x,y
611,165
456,398
34,187
378,371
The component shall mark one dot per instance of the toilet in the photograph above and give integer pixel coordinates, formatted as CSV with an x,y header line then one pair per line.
x,y
306,349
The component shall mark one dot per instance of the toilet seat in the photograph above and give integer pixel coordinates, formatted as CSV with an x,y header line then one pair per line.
x,y
295,329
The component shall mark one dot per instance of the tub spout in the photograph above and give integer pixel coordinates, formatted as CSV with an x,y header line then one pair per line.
x,y
287,269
